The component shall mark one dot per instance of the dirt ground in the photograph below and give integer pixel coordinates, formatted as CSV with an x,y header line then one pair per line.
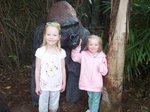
x,y
17,91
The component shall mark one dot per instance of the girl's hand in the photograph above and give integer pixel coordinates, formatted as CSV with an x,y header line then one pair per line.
x,y
103,68
38,91
63,88
80,42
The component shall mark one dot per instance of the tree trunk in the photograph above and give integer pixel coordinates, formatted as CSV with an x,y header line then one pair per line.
x,y
119,26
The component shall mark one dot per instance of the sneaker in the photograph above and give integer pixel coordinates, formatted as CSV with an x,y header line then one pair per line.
x,y
88,110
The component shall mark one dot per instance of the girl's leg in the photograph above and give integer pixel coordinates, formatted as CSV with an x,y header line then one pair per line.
x,y
89,99
43,101
54,101
95,101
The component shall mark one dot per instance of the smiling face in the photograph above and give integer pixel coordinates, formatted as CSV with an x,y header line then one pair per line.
x,y
52,36
94,44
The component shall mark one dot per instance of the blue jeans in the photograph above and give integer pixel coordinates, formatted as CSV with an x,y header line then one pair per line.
x,y
94,101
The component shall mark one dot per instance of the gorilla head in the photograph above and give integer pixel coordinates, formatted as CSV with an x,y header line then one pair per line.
x,y
71,28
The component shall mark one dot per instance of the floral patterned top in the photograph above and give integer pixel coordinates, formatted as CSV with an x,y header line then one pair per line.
x,y
51,72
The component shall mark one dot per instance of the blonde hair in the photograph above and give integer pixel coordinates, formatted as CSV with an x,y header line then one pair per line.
x,y
99,39
56,25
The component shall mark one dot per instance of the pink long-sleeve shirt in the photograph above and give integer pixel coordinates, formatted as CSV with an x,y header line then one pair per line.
x,y
92,69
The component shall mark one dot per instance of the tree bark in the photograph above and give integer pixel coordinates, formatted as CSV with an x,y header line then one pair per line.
x,y
116,55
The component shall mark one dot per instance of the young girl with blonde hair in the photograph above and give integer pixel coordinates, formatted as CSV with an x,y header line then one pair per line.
x,y
93,68
50,73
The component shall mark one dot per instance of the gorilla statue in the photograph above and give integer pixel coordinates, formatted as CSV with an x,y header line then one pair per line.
x,y
71,32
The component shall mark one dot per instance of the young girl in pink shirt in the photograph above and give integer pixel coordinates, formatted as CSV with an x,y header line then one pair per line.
x,y
93,68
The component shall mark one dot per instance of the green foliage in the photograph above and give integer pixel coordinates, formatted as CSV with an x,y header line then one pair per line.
x,y
138,54
18,21
106,7
138,50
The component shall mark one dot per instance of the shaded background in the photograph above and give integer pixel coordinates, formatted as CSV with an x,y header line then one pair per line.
x,y
18,21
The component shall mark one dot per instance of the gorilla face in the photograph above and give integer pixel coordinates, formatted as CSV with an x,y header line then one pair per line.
x,y
70,41
70,35
74,40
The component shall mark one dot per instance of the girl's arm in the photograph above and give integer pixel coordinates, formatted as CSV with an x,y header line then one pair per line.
x,y
75,53
64,75
103,67
37,76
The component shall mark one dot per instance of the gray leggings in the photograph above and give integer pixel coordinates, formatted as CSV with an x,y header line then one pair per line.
x,y
49,101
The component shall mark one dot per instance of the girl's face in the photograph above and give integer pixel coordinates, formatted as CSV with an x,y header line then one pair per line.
x,y
52,36
93,45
